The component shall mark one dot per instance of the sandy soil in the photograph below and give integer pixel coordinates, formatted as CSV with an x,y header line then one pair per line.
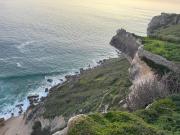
x,y
15,126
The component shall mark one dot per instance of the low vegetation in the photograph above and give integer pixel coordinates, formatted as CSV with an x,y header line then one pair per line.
x,y
169,50
161,118
91,91
164,115
171,33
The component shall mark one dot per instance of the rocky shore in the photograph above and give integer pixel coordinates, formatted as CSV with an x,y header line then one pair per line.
x,y
36,108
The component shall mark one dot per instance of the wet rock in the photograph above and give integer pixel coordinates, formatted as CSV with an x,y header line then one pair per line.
x,y
42,99
81,70
2,122
100,62
33,96
50,80
34,99
12,114
61,80
20,111
76,72
19,105
46,90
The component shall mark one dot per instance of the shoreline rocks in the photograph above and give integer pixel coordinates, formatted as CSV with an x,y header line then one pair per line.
x,y
50,80
2,122
33,99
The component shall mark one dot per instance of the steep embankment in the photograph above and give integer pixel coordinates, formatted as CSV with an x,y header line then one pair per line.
x,y
161,118
149,64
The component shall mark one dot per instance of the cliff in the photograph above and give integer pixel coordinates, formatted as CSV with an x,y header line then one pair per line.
x,y
165,27
147,68
161,22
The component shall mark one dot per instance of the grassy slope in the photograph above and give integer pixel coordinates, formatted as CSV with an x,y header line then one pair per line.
x,y
170,51
105,84
162,118
171,33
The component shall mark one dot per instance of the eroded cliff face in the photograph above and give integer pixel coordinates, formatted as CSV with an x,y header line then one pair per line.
x,y
143,72
126,42
162,21
129,44
139,71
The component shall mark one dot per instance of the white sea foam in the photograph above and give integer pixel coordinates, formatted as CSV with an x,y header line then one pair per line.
x,y
22,46
18,64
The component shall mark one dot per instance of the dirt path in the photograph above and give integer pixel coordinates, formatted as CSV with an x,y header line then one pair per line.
x,y
15,126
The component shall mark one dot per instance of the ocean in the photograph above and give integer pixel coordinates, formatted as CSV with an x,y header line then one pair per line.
x,y
45,39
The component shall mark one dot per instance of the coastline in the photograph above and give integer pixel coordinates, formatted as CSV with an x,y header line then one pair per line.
x,y
21,120
51,83
101,89
67,77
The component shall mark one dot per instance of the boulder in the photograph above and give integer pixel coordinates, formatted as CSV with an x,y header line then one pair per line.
x,y
33,99
50,80
46,90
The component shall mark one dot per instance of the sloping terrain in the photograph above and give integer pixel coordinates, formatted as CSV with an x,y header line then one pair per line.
x,y
93,90
161,118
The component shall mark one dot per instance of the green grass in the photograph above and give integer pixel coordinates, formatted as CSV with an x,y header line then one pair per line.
x,y
164,114
161,118
171,33
90,92
112,123
168,50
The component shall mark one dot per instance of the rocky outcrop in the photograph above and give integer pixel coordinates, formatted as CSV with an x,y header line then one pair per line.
x,y
129,45
72,121
54,124
126,42
162,21
158,60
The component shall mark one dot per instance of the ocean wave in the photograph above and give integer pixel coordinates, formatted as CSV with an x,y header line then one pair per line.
x,y
31,75
7,110
22,46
